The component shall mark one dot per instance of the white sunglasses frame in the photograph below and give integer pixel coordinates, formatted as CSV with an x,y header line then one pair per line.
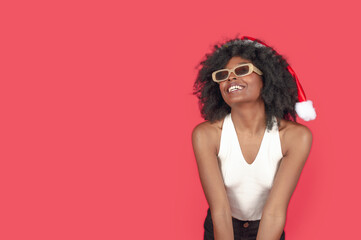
x,y
252,68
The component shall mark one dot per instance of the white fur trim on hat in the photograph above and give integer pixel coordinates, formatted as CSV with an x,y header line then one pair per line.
x,y
305,110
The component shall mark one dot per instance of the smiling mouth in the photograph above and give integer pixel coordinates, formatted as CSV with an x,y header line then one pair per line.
x,y
235,88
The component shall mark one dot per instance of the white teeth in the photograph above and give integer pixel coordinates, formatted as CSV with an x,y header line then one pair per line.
x,y
234,88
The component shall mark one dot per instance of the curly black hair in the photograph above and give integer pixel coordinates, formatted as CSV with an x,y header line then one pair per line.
x,y
279,91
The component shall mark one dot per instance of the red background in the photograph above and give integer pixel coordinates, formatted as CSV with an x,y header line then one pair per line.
x,y
97,113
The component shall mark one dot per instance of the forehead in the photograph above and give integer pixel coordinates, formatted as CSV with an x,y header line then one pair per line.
x,y
234,61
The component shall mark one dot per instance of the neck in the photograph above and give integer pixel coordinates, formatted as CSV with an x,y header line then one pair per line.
x,y
249,118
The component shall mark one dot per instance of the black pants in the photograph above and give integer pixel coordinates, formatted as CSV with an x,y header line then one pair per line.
x,y
243,230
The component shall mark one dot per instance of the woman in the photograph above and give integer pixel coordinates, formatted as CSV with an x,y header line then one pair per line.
x,y
250,151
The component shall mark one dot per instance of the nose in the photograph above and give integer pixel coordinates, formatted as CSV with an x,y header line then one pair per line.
x,y
232,76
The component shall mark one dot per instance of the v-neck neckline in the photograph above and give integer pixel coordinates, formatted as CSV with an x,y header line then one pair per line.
x,y
239,145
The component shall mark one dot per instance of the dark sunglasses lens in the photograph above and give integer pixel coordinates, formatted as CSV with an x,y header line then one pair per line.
x,y
242,70
221,75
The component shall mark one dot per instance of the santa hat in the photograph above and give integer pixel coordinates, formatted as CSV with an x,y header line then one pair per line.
x,y
304,108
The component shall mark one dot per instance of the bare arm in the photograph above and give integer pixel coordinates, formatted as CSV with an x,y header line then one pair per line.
x,y
274,213
204,148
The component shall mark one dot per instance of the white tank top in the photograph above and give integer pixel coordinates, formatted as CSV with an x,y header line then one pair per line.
x,y
248,185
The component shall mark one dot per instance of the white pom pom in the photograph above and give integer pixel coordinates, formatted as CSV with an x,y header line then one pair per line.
x,y
305,110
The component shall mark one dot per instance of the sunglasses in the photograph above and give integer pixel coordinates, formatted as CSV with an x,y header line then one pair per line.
x,y
240,71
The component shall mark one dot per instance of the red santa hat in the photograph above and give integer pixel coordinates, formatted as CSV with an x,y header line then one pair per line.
x,y
304,108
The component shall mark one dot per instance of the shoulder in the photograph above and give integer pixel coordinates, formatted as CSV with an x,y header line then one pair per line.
x,y
207,132
294,135
208,127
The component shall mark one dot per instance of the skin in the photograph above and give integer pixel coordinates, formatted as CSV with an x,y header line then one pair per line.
x,y
248,116
247,109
